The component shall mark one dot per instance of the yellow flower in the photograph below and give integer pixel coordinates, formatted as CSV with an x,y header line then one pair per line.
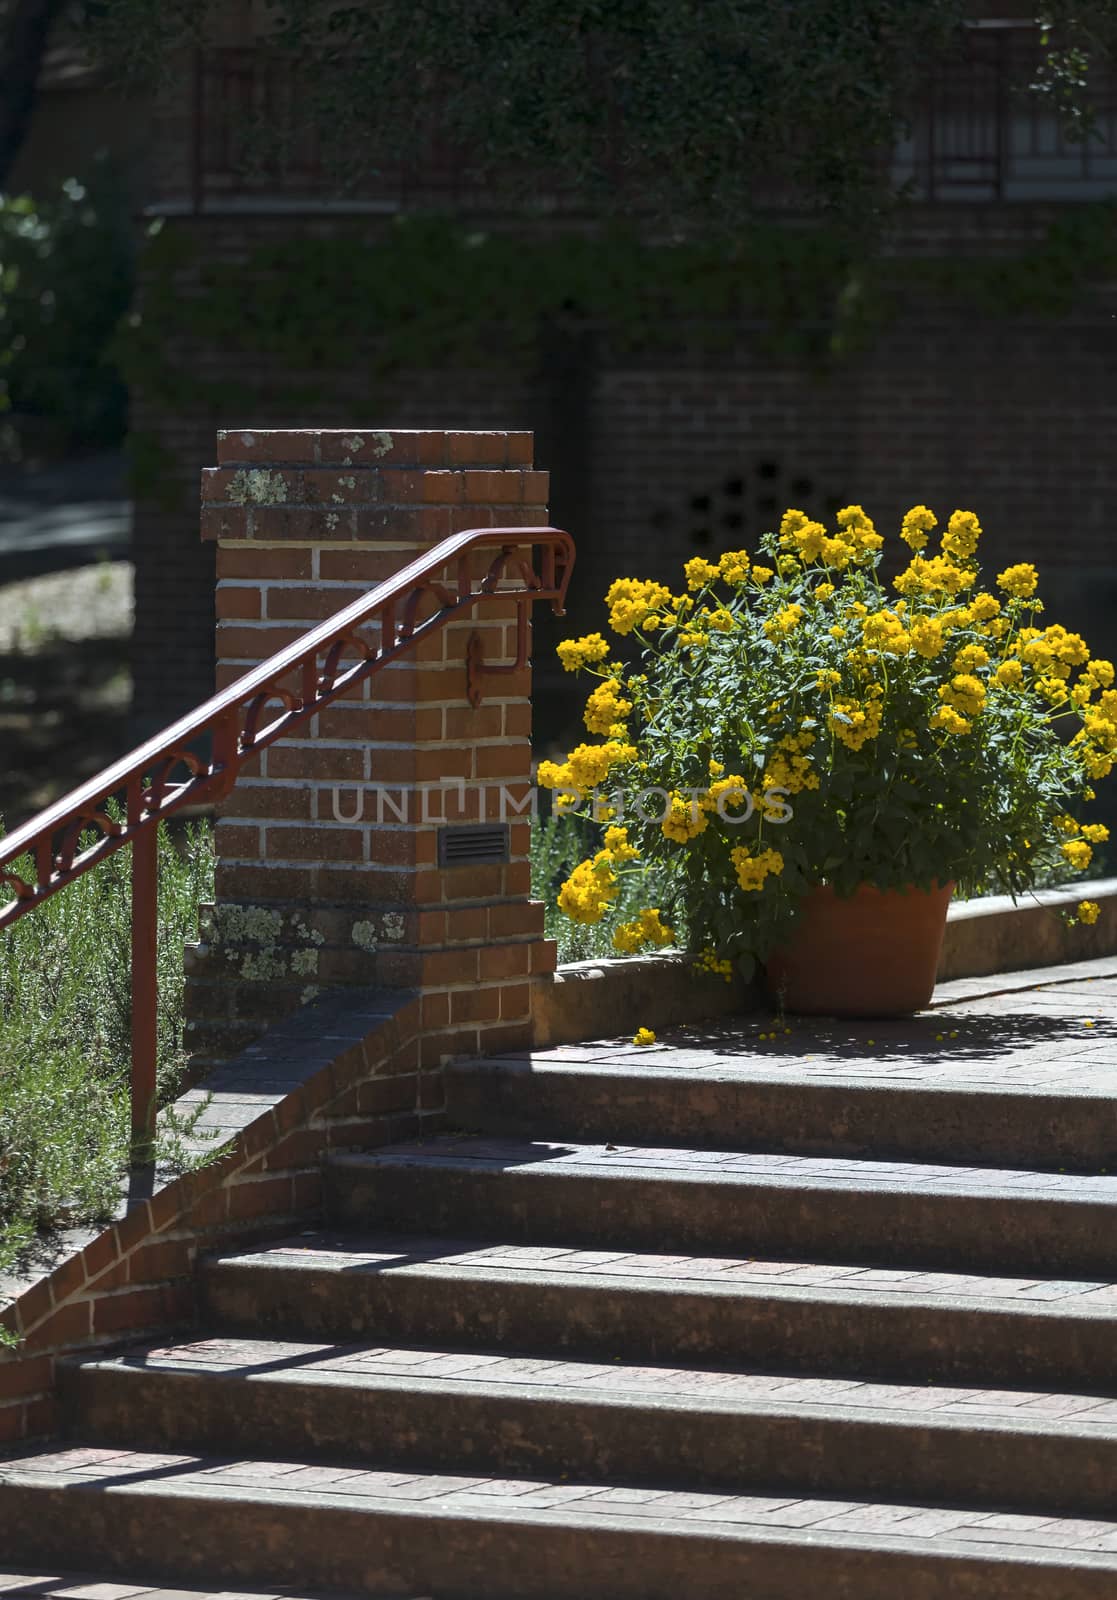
x,y
964,693
854,724
715,768
648,928
824,591
791,522
1096,832
971,657
585,767
587,893
1010,674
932,576
575,653
927,637
1053,690
762,574
734,566
859,531
948,720
807,539
784,622
699,572
684,819
883,630
1018,581
617,847
1099,673
730,791
708,962
837,631
916,525
643,1036
753,870
1088,911
721,620
984,606
1078,853
605,707
788,767
961,536
631,600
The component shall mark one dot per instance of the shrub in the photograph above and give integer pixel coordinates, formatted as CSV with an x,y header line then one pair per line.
x,y
65,1036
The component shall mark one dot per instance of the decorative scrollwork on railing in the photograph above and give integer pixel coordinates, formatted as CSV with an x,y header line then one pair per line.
x,y
213,742
123,804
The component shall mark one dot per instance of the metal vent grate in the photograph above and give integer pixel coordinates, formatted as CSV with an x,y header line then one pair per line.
x,y
467,846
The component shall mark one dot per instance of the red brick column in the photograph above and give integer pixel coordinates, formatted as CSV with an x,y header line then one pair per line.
x,y
328,849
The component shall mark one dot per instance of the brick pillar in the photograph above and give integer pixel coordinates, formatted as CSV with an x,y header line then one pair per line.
x,y
328,849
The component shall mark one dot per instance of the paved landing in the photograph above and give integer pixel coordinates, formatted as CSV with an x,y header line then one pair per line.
x,y
1053,1029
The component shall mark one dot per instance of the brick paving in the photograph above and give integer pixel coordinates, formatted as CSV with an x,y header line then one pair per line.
x,y
781,1170
409,1254
311,1363
1056,1036
487,1496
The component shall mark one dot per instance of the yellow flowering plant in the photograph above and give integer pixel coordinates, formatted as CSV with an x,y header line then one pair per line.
x,y
799,721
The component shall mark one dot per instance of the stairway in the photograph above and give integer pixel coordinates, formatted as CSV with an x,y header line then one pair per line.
x,y
550,1355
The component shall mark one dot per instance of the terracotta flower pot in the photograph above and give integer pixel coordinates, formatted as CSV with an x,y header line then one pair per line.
x,y
874,954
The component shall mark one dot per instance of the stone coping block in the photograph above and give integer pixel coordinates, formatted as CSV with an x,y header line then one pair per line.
x,y
985,936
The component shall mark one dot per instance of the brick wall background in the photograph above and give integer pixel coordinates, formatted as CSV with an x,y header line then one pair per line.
x,y
681,451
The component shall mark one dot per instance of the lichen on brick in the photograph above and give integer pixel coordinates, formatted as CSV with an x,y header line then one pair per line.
x,y
354,442
304,963
260,965
392,924
382,444
236,923
257,486
364,936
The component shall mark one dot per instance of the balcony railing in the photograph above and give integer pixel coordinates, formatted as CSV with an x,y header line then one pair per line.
x,y
975,136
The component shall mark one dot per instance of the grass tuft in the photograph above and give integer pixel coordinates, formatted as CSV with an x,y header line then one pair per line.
x,y
65,1038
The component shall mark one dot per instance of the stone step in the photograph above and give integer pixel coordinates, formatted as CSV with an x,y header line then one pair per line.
x,y
50,1584
275,1524
601,1305
454,1410
819,1208
913,1113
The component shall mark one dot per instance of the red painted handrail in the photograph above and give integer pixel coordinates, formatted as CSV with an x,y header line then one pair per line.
x,y
228,730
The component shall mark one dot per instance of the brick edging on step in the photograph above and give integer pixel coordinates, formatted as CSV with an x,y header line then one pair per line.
x,y
343,1072
593,999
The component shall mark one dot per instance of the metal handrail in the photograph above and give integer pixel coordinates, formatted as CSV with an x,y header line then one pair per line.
x,y
228,729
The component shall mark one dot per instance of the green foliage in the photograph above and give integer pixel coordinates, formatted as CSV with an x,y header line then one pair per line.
x,y
802,725
66,269
65,1038
691,113
431,291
